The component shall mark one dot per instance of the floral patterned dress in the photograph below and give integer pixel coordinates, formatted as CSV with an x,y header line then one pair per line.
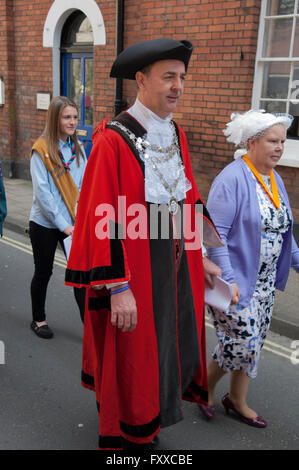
x,y
241,332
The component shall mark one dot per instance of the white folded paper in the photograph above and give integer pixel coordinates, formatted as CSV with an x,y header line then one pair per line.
x,y
220,296
67,245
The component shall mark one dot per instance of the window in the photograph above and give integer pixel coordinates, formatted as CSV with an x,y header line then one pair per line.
x,y
77,33
276,82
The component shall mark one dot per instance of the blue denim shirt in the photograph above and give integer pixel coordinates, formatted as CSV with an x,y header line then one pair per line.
x,y
233,206
48,208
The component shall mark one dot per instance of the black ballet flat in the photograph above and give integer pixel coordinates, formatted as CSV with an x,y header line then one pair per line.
x,y
43,331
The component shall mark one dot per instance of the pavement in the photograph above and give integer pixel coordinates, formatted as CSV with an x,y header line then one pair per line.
x,y
285,319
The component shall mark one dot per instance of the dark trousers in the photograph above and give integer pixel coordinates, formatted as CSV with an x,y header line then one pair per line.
x,y
44,243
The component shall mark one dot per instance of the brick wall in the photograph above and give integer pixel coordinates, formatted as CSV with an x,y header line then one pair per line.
x,y
104,86
33,71
219,81
7,71
290,178
28,70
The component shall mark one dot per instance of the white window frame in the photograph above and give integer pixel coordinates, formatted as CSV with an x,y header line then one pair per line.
x,y
291,149
58,13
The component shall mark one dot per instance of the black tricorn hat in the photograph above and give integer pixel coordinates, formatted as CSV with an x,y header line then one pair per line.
x,y
144,53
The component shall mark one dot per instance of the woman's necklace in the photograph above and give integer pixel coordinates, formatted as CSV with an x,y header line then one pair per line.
x,y
274,197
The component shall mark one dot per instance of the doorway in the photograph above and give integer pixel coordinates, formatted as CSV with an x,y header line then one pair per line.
x,y
77,72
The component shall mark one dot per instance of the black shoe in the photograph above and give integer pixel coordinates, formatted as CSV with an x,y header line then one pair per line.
x,y
43,331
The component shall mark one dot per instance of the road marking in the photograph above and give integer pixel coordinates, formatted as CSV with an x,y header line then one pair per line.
x,y
267,345
28,247
6,242
278,346
278,353
59,260
25,245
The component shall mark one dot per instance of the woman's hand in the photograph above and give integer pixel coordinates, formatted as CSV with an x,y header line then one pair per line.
x,y
235,293
211,269
124,310
69,230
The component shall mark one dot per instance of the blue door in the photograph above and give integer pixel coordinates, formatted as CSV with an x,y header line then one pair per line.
x,y
78,85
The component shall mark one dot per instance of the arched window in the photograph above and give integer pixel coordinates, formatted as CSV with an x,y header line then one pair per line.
x,y
77,34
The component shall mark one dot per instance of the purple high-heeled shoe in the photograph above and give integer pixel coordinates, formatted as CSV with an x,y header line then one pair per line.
x,y
207,411
257,422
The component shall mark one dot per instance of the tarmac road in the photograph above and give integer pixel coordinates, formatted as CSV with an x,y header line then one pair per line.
x,y
43,405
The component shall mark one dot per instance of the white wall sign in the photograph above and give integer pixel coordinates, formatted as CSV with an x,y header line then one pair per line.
x,y
43,101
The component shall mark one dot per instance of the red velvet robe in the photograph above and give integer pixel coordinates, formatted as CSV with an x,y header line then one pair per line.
x,y
139,377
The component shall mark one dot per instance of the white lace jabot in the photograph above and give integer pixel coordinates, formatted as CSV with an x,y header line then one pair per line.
x,y
159,132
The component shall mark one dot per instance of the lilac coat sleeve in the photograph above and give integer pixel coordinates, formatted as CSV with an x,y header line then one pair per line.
x,y
223,205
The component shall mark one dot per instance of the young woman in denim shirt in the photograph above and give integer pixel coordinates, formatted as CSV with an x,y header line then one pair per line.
x,y
57,166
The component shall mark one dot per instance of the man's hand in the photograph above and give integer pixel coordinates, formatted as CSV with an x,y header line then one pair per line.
x,y
124,310
211,269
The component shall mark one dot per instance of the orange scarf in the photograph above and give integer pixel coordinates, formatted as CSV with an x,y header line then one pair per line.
x,y
62,179
274,197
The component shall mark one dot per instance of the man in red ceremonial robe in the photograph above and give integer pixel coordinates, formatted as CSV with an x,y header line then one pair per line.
x,y
136,248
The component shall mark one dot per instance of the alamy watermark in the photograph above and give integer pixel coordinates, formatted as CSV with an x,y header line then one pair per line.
x,y
136,221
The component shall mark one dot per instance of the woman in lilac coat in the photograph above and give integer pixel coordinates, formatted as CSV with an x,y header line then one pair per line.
x,y
250,208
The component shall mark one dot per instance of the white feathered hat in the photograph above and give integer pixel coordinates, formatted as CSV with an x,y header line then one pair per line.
x,y
244,126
